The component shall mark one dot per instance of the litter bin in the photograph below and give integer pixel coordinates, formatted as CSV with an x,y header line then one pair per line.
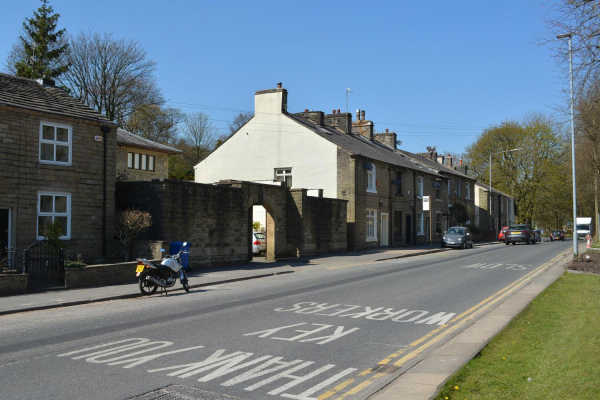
x,y
185,257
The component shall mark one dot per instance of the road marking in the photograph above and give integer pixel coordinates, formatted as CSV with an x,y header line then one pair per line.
x,y
338,333
437,334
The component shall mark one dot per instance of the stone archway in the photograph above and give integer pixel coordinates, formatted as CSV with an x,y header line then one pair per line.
x,y
270,231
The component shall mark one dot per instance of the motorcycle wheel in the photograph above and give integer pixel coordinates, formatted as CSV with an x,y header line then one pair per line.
x,y
186,285
147,287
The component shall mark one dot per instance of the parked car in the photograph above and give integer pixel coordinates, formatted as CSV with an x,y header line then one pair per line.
x,y
457,236
557,235
259,243
519,233
502,233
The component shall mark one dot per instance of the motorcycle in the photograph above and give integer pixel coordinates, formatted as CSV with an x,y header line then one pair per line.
x,y
164,275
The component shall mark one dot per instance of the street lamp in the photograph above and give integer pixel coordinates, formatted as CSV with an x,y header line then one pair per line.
x,y
491,154
570,37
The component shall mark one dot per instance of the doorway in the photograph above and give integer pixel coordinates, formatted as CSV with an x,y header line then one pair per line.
x,y
385,228
408,229
261,233
4,228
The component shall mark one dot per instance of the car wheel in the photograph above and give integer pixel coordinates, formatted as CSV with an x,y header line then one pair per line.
x,y
507,243
443,245
471,244
464,245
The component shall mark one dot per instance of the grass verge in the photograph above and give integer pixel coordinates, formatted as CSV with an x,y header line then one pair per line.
x,y
549,351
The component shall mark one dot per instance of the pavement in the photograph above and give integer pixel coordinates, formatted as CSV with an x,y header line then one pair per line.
x,y
421,381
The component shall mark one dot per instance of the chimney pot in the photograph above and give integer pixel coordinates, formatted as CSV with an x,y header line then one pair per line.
x,y
333,111
460,162
278,85
362,115
338,110
306,110
386,130
357,114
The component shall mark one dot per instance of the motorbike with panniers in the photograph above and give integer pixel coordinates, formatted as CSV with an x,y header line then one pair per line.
x,y
164,275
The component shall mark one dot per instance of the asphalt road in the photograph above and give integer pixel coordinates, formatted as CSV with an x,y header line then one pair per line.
x,y
340,329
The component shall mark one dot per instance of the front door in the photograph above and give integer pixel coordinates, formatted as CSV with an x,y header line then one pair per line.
x,y
4,228
385,227
408,229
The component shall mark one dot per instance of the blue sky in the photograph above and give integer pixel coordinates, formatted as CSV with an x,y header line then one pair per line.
x,y
436,73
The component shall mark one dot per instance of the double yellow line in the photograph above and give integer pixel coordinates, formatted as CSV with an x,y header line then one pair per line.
x,y
433,337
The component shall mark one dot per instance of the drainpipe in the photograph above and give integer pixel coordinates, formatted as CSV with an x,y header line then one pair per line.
x,y
414,227
105,130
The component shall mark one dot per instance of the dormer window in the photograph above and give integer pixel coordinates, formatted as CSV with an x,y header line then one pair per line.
x,y
55,143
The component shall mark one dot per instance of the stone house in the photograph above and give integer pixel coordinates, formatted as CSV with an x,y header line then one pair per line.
x,y
57,163
502,210
140,159
344,159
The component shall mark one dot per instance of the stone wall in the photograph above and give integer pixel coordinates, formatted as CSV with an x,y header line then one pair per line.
x,y
101,275
22,177
216,219
13,284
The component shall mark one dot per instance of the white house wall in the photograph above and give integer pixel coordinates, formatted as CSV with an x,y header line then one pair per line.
x,y
269,141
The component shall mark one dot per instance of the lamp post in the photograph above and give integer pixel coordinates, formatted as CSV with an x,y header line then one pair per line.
x,y
491,154
570,37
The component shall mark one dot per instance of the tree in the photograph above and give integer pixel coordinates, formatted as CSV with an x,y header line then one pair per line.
x,y
128,225
111,75
239,121
40,49
155,123
523,174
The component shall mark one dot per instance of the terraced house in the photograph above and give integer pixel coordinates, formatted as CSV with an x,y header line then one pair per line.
x,y
57,163
341,159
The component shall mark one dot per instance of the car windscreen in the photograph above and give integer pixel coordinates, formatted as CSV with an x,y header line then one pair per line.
x,y
584,227
259,235
556,232
456,231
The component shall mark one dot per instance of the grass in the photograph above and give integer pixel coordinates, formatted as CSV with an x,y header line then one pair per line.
x,y
549,351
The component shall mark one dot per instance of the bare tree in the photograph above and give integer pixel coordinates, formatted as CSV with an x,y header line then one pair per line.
x,y
111,75
200,137
239,121
155,123
129,224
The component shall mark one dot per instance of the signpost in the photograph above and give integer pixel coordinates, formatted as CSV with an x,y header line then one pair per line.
x,y
426,207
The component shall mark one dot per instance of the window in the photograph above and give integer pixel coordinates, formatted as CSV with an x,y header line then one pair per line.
x,y
468,187
284,175
371,225
420,186
143,162
372,180
421,217
438,185
458,188
399,183
55,144
54,207
397,224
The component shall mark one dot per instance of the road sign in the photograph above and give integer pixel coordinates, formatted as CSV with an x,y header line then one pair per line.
x,y
425,203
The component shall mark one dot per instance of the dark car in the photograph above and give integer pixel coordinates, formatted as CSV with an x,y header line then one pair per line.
x,y
457,236
520,233
557,235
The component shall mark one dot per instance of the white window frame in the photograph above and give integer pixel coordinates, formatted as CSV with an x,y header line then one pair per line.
x,y
468,188
421,224
371,217
53,214
69,143
420,187
372,180
281,173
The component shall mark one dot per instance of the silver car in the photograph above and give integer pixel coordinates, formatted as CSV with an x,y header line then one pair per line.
x,y
458,236
259,242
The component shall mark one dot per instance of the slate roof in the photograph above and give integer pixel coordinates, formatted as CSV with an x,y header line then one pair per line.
x,y
30,95
125,138
359,145
435,165
486,187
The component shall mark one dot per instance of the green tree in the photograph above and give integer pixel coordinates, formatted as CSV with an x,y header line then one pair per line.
x,y
40,49
155,123
523,174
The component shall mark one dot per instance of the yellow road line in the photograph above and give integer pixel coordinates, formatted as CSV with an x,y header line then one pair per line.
x,y
485,304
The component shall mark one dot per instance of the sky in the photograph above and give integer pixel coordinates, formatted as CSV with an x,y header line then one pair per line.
x,y
436,73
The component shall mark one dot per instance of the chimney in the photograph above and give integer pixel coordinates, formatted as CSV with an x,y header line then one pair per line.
x,y
449,161
361,126
440,159
271,101
46,82
339,120
462,168
388,138
314,116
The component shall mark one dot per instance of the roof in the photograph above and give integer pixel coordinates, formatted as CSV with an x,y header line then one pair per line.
x,y
486,187
435,165
361,146
125,138
29,94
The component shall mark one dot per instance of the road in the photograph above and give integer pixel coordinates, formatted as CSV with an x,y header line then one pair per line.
x,y
335,329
